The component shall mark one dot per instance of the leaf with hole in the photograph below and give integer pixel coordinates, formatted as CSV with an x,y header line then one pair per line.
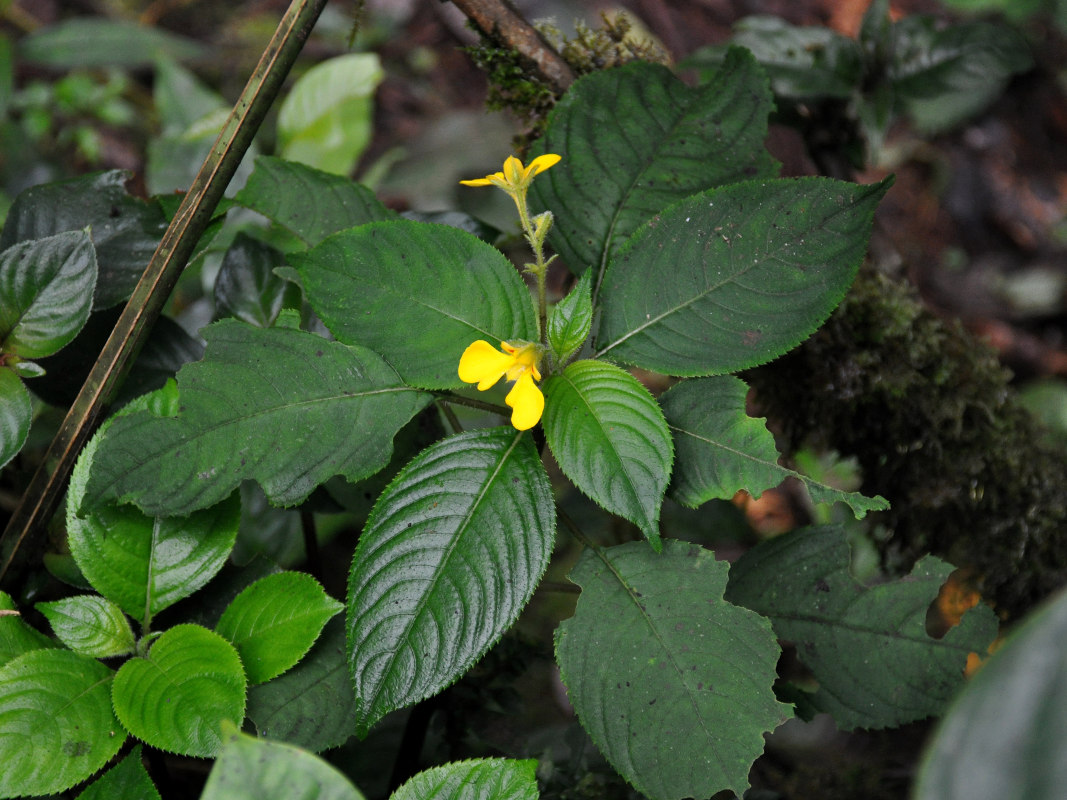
x,y
610,438
90,625
449,557
681,706
179,694
476,779
867,646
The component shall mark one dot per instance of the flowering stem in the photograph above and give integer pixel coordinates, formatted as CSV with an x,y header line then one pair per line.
x,y
539,268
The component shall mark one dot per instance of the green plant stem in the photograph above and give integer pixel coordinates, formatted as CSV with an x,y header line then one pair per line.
x,y
309,530
481,405
46,488
576,532
450,415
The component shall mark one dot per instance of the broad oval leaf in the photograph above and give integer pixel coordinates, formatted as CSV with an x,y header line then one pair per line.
x,y
16,414
610,438
755,268
439,287
636,139
476,779
256,769
177,697
56,723
720,450
90,625
274,622
681,706
100,42
867,646
308,202
450,555
16,637
1003,735
127,780
46,291
281,406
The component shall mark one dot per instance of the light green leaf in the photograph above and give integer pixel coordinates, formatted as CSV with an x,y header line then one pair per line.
x,y
681,705
477,779
16,637
274,622
634,140
56,723
90,625
125,230
127,780
439,287
325,121
571,320
755,268
867,646
1004,734
449,557
100,42
720,450
309,203
178,695
280,406
256,769
46,291
16,414
611,440
313,704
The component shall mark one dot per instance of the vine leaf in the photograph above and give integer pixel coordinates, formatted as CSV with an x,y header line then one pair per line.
x,y
449,557
281,406
476,779
720,450
90,625
178,695
127,780
755,268
681,706
867,646
56,723
610,439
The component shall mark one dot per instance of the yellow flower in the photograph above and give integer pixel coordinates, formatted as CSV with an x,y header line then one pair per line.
x,y
483,364
515,178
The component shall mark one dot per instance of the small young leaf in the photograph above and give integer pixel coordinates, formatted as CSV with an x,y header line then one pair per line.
x,y
477,779
637,139
439,287
90,625
308,202
246,286
571,320
46,290
284,407
125,230
16,637
313,704
610,438
449,557
16,414
720,450
127,780
755,268
672,683
867,646
1003,735
177,696
256,769
274,622
56,723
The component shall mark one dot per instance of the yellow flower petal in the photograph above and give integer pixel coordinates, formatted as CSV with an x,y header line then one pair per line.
x,y
514,173
541,163
526,401
483,364
478,182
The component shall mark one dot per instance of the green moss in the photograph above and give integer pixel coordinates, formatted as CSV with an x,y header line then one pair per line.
x,y
929,413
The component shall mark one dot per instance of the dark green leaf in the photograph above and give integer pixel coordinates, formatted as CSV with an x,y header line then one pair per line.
x,y
125,230
610,438
177,697
281,406
672,683
439,288
56,723
16,414
127,780
308,202
636,139
1003,735
46,289
450,555
477,779
16,637
90,625
246,286
720,450
754,269
867,646
100,42
571,320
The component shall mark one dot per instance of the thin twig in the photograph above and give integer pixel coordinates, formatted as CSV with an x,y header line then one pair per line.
x,y
472,402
